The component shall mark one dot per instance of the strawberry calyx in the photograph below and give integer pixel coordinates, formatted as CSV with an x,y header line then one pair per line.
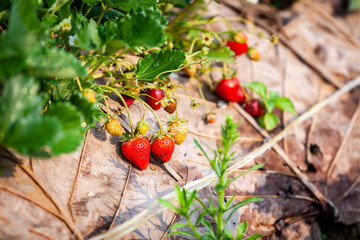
x,y
160,135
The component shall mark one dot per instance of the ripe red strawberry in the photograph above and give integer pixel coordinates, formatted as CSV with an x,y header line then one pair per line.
x,y
254,108
237,48
239,44
137,151
191,70
113,127
155,96
228,89
240,96
171,107
90,95
128,100
163,147
180,129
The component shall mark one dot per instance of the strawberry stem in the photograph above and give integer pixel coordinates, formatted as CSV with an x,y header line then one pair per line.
x,y
79,84
202,96
124,103
107,106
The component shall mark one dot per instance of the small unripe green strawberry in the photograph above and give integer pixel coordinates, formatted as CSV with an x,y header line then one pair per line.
x,y
90,95
142,127
171,107
113,127
180,130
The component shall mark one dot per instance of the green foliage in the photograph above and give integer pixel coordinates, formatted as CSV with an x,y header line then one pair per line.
x,y
353,5
42,68
220,162
142,28
159,64
222,54
22,120
127,5
271,100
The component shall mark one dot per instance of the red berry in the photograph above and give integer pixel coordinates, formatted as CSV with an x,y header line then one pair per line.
x,y
240,96
253,107
137,151
155,96
163,147
128,100
237,48
228,88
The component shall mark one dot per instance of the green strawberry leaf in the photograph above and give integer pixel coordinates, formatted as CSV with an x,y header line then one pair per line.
x,y
257,87
223,54
90,111
157,64
142,28
273,95
269,104
57,5
24,26
21,125
69,138
127,5
55,62
87,34
286,105
91,2
17,91
270,121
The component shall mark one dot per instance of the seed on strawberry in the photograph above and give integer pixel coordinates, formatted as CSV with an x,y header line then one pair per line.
x,y
137,151
163,147
171,107
253,54
228,89
113,127
191,70
240,96
153,99
180,130
142,127
254,108
90,95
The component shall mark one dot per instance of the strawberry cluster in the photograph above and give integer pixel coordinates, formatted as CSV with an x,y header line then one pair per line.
x,y
136,147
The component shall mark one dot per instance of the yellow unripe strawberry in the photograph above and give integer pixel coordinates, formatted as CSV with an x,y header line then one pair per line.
x,y
191,70
113,127
142,127
253,54
90,95
179,130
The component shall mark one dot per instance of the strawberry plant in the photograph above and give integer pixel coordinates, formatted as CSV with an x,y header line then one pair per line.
x,y
221,161
270,100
